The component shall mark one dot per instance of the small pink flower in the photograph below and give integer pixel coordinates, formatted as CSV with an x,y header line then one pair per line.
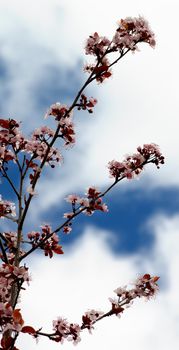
x,y
72,198
68,215
57,110
31,191
67,229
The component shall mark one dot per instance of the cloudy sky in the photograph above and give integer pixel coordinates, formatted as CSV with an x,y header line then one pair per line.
x,y
41,62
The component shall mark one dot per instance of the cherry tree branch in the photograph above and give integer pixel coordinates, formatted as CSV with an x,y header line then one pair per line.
x,y
88,81
144,287
76,213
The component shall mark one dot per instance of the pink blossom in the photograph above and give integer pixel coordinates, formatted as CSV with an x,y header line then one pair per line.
x,y
67,229
86,104
68,215
146,286
39,149
57,110
93,192
96,45
116,308
67,133
11,239
61,326
65,330
6,155
74,336
120,291
6,208
72,198
31,191
134,164
10,134
50,245
131,31
90,317
42,133
116,168
6,315
84,202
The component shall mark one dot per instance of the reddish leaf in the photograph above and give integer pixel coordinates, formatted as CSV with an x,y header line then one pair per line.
x,y
28,329
155,278
58,250
8,157
107,74
18,317
101,69
4,123
147,276
6,342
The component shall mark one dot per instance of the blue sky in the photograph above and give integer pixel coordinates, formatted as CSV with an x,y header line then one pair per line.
x,y
41,62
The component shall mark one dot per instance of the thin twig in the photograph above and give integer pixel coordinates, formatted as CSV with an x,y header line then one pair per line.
x,y
10,181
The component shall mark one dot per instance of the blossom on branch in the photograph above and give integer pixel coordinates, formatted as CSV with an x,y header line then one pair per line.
x,y
65,330
86,104
30,155
49,245
57,110
134,164
129,33
132,31
38,148
87,204
145,286
10,133
6,208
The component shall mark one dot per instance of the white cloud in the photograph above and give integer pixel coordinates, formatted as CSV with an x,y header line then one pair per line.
x,y
85,277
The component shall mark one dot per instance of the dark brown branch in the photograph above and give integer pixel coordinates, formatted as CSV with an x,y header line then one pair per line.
x,y
3,252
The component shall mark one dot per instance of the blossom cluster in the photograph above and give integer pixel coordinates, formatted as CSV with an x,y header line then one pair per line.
x,y
10,240
90,317
132,31
9,320
6,208
133,164
129,33
12,141
65,124
86,104
10,246
88,204
50,245
10,133
145,286
39,148
9,275
65,330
